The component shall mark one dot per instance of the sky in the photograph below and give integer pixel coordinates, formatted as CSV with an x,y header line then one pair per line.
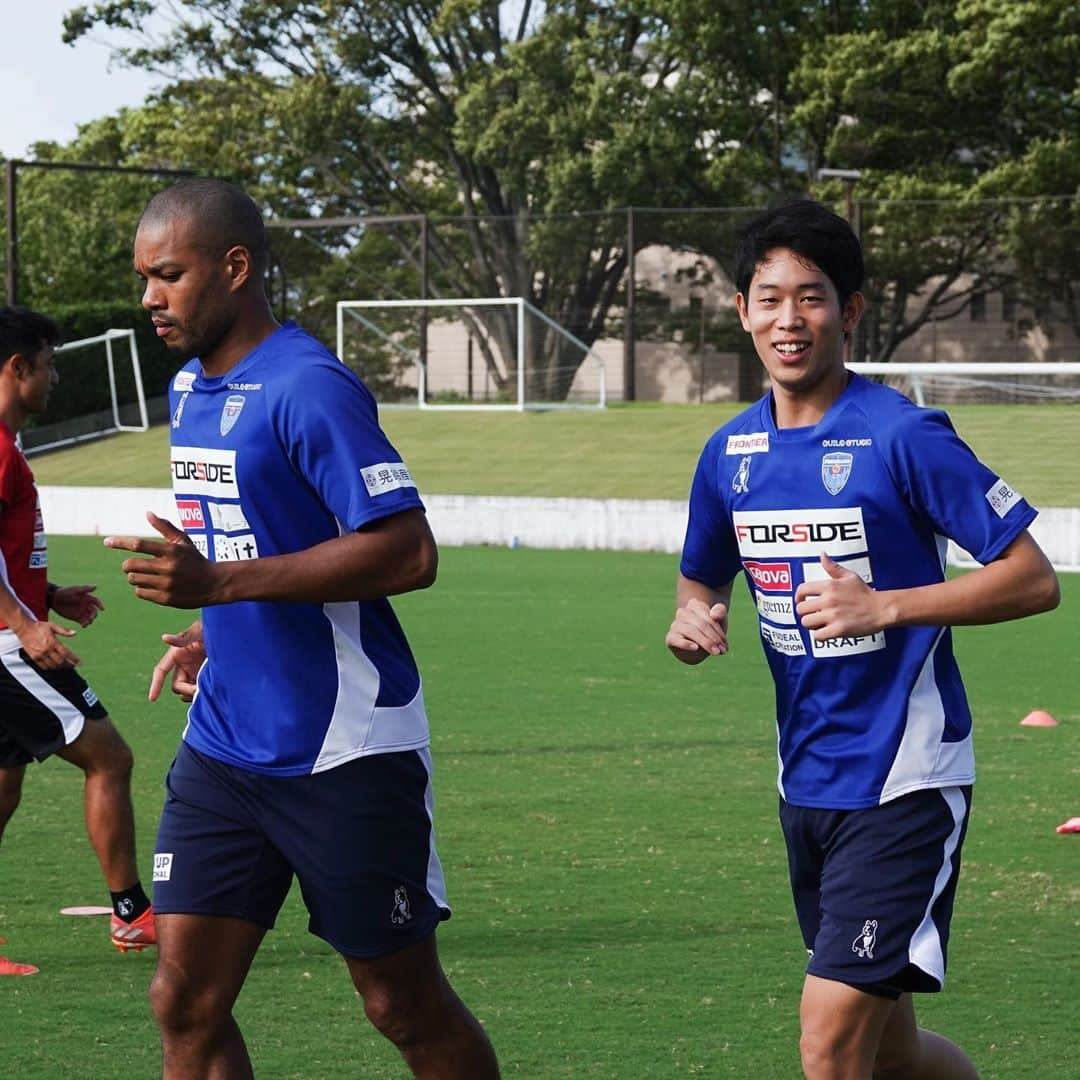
x,y
49,87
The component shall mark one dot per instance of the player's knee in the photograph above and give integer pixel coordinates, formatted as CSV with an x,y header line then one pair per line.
x,y
181,1011
404,1015
823,1053
108,754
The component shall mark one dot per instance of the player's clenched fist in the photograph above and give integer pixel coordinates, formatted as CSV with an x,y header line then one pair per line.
x,y
698,631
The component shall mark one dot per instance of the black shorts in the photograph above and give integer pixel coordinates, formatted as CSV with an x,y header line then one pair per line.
x,y
874,888
40,711
359,839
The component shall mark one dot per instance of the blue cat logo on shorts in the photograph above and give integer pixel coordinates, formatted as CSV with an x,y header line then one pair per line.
x,y
231,413
835,470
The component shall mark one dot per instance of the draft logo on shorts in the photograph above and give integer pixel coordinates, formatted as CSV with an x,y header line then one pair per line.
x,y
835,470
865,940
162,865
401,913
230,413
741,481
90,697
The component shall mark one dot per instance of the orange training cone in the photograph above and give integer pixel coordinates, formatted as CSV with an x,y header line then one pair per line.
x,y
1038,718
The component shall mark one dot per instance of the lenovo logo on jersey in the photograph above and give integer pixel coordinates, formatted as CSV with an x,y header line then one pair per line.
x,y
191,515
800,532
772,577
201,471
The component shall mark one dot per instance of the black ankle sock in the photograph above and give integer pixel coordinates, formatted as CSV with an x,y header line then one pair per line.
x,y
130,903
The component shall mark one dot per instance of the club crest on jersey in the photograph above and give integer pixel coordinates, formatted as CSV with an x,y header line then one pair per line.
x,y
835,470
740,482
230,413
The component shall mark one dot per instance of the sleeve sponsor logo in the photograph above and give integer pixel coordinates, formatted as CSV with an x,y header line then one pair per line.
x,y
39,560
764,533
788,642
848,646
771,576
184,381
777,609
190,513
228,517
755,443
814,571
389,476
1002,498
235,548
202,471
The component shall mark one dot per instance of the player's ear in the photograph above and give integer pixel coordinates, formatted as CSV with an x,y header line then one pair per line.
x,y
853,311
238,266
740,306
17,365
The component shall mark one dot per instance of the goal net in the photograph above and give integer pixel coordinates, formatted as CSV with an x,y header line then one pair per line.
x,y
944,384
100,392
490,353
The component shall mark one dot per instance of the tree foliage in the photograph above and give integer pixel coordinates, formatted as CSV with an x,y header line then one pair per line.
x,y
521,130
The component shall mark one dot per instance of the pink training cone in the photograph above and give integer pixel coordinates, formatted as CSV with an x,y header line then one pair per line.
x,y
1038,718
1072,825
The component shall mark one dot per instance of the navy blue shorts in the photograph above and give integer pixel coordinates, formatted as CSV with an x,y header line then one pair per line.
x,y
874,888
359,839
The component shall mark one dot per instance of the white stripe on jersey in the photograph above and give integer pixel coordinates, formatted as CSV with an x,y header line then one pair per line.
x,y
922,757
925,950
358,687
436,884
71,720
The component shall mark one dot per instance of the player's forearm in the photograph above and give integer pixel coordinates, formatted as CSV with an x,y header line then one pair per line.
x,y
392,556
686,589
1019,583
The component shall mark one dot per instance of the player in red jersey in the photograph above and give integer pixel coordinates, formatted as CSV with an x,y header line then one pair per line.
x,y
45,705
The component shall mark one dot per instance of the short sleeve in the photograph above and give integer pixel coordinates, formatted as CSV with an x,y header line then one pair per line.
x,y
946,483
9,465
710,552
328,423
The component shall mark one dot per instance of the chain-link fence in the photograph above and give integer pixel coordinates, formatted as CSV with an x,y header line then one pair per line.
x,y
646,290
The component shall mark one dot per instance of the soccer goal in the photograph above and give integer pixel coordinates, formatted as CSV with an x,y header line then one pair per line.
x,y
490,353
949,383
100,392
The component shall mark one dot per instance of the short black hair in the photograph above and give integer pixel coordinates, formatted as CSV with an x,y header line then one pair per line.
x,y
25,331
223,214
810,230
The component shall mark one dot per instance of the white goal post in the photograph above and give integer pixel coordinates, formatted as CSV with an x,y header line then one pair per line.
x,y
110,418
953,382
538,363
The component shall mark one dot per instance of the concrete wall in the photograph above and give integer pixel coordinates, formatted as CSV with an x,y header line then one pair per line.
x,y
459,520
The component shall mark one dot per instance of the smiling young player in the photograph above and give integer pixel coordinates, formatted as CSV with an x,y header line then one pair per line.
x,y
835,497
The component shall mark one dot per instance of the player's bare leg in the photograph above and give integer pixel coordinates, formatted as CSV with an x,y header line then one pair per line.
x,y
909,1052
409,1000
106,762
11,780
202,963
841,1030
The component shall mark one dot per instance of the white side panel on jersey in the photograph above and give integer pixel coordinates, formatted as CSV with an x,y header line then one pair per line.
x,y
400,727
358,687
925,950
922,756
71,720
436,883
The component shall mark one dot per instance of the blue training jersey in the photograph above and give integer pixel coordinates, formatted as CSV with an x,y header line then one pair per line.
x,y
880,485
280,454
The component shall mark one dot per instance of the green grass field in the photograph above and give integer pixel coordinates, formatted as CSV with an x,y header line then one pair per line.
x,y
640,451
607,822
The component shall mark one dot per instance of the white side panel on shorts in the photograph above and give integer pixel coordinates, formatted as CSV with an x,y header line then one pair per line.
x,y
436,883
358,687
925,950
71,720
